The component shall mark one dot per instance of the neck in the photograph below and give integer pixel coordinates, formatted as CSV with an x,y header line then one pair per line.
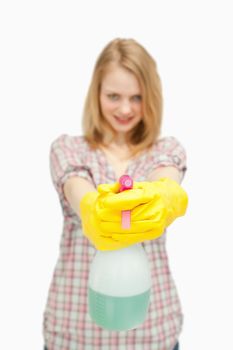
x,y
118,140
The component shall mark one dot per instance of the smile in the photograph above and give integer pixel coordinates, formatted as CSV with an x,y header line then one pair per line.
x,y
123,120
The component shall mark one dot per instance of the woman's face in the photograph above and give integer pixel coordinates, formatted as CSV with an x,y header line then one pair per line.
x,y
121,99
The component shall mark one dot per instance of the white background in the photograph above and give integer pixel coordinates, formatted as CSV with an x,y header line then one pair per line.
x,y
48,51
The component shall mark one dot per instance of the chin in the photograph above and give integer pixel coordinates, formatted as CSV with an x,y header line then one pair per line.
x,y
123,128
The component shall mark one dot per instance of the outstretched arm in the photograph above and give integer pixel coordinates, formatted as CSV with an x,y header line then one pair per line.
x,y
75,188
165,171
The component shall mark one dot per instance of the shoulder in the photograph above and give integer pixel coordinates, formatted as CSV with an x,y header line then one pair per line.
x,y
168,143
169,151
70,142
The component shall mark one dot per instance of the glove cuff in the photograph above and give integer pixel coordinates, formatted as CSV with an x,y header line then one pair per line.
x,y
175,197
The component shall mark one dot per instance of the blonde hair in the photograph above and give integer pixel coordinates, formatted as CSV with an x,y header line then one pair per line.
x,y
129,54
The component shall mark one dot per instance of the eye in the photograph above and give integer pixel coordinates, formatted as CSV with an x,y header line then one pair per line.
x,y
137,98
113,97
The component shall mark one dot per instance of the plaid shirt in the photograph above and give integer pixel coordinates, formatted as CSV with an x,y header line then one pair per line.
x,y
67,324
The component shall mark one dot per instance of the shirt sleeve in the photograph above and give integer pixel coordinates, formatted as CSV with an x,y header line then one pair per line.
x,y
169,151
67,154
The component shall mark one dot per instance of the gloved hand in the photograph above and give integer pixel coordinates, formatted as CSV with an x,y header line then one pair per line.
x,y
154,206
89,208
92,213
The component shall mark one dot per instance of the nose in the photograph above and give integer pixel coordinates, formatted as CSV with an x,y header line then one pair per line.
x,y
125,108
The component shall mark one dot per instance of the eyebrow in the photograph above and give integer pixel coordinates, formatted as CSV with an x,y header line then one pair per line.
x,y
117,93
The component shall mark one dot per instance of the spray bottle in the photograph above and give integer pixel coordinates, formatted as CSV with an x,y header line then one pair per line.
x,y
119,282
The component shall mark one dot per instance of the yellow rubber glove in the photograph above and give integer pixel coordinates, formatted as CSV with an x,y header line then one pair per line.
x,y
91,223
154,206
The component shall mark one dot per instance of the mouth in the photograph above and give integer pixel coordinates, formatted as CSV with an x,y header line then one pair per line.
x,y
123,121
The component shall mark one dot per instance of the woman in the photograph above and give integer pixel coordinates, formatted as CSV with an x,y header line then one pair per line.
x,y
121,123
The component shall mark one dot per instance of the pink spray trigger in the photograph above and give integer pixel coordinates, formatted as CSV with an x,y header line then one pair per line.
x,y
126,183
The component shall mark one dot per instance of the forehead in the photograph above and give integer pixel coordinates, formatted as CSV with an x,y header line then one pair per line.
x,y
120,80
